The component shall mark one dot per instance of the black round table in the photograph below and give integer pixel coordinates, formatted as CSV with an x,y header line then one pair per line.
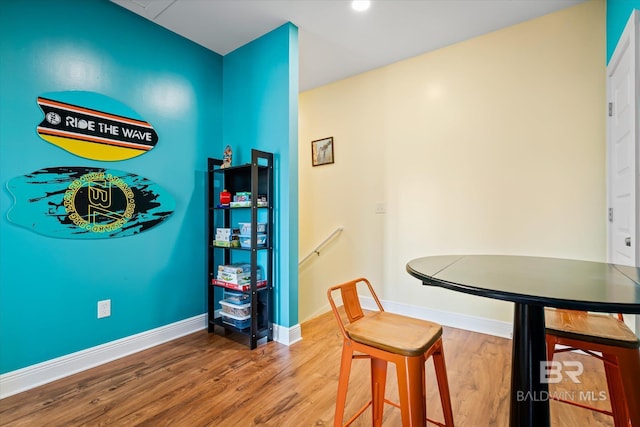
x,y
534,283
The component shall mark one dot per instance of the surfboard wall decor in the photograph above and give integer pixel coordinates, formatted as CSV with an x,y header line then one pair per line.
x,y
94,126
78,202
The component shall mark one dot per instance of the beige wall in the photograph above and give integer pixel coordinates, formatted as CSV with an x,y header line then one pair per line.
x,y
492,145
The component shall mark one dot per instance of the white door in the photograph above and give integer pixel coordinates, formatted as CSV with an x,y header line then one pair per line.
x,y
622,147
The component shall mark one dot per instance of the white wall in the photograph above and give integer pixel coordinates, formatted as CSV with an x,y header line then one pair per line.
x,y
493,145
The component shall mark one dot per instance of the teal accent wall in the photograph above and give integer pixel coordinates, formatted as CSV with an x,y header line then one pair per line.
x,y
618,12
260,96
49,287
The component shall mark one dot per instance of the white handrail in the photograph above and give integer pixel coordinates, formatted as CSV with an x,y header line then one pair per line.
x,y
324,242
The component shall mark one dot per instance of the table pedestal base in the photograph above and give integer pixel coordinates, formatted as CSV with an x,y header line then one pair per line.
x,y
529,395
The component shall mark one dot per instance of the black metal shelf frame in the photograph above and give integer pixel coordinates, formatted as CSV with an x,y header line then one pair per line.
x,y
256,177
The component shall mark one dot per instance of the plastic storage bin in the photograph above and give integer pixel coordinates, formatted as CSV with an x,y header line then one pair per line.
x,y
236,297
245,241
238,322
245,227
239,310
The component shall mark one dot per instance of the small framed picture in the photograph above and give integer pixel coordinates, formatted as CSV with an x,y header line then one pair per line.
x,y
322,151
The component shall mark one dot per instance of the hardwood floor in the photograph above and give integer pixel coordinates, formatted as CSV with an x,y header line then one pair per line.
x,y
209,380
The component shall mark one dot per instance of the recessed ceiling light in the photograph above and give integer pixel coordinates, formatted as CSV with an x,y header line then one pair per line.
x,y
360,5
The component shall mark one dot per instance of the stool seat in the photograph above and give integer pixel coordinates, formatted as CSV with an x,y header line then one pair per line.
x,y
383,338
395,333
589,327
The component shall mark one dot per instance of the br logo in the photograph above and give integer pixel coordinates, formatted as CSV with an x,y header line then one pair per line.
x,y
553,372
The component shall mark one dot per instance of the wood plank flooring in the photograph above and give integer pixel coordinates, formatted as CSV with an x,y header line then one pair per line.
x,y
211,380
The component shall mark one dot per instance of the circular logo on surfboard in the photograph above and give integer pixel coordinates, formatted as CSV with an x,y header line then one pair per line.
x,y
53,118
99,202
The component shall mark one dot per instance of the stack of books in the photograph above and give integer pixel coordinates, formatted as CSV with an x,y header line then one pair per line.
x,y
238,277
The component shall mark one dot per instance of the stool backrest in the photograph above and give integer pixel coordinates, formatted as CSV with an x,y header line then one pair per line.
x,y
351,301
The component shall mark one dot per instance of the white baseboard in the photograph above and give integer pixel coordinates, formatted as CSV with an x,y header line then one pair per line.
x,y
35,375
445,318
285,335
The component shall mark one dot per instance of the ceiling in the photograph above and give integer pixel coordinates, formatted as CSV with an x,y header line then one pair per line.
x,y
336,42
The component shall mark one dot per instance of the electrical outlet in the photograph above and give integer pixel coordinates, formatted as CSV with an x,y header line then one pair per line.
x,y
381,208
104,308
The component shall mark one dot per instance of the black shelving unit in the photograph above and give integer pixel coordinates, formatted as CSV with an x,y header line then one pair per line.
x,y
257,178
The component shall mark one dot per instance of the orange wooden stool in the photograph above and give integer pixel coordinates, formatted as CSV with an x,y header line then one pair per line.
x,y
385,337
608,335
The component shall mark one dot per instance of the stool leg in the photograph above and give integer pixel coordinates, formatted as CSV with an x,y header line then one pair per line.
x,y
629,363
616,391
551,347
411,390
343,382
378,384
443,386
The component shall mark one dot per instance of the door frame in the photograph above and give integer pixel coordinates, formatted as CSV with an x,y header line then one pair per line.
x,y
632,34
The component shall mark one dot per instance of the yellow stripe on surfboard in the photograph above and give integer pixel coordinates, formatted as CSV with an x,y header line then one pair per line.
x,y
93,150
